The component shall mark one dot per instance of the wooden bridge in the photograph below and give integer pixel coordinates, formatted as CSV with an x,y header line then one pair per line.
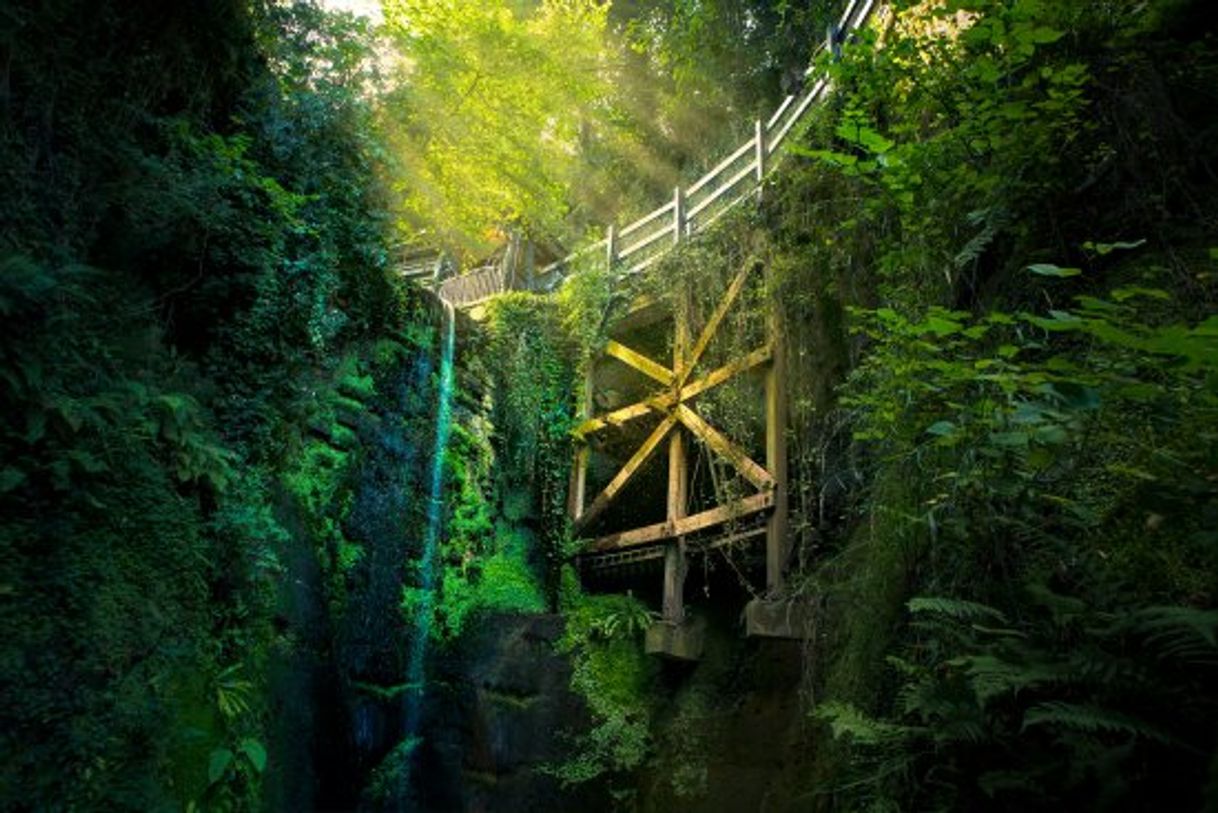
x,y
665,409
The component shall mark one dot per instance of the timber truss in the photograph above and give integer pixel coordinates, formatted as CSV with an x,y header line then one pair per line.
x,y
673,399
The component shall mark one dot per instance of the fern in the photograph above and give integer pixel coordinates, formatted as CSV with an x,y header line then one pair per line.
x,y
990,676
1092,720
1180,633
848,721
954,608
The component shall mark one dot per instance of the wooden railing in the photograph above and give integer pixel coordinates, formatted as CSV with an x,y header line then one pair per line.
x,y
640,244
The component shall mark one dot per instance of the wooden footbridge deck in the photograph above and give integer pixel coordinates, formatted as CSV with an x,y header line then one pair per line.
x,y
672,388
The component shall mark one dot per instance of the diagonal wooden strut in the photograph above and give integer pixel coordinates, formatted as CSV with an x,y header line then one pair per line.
x,y
639,362
712,324
662,401
721,445
627,471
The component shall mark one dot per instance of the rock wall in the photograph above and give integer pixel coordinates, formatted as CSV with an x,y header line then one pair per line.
x,y
499,711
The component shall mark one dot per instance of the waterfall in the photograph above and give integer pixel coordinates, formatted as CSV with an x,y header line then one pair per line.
x,y
416,667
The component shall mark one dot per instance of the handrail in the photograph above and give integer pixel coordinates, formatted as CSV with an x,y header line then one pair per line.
x,y
767,139
724,164
645,219
723,188
782,108
646,241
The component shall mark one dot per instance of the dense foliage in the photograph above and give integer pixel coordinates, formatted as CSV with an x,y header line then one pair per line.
x,y
1028,275
192,241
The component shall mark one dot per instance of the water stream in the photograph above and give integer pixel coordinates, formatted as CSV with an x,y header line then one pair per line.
x,y
416,668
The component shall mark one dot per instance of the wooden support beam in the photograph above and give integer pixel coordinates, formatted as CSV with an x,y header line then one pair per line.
x,y
579,470
639,362
662,401
725,448
678,481
684,526
776,443
733,368
712,324
627,471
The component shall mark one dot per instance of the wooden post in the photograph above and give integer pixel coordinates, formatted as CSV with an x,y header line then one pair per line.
x,y
579,470
776,442
610,247
678,215
759,130
678,478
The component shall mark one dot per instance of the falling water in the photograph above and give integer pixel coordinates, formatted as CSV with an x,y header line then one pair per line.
x,y
435,514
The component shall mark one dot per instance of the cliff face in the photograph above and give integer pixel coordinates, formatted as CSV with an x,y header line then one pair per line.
x,y
501,710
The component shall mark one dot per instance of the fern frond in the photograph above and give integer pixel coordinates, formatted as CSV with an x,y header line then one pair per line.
x,y
1180,633
955,608
991,677
1092,720
847,720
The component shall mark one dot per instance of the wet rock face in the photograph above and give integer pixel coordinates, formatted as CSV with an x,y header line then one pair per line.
x,y
500,709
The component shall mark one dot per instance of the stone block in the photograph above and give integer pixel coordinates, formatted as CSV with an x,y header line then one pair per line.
x,y
769,618
681,642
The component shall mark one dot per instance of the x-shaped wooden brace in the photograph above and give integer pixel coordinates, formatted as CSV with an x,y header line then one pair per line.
x,y
674,405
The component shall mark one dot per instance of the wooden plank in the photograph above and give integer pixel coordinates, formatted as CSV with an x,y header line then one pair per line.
x,y
628,471
664,400
638,361
725,448
684,526
712,324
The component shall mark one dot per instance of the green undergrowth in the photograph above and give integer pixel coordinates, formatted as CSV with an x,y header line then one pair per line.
x,y
603,638
1011,544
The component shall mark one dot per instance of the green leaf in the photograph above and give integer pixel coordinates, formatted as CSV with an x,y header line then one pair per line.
x,y
1103,249
940,326
218,763
255,753
1050,270
1009,439
941,428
